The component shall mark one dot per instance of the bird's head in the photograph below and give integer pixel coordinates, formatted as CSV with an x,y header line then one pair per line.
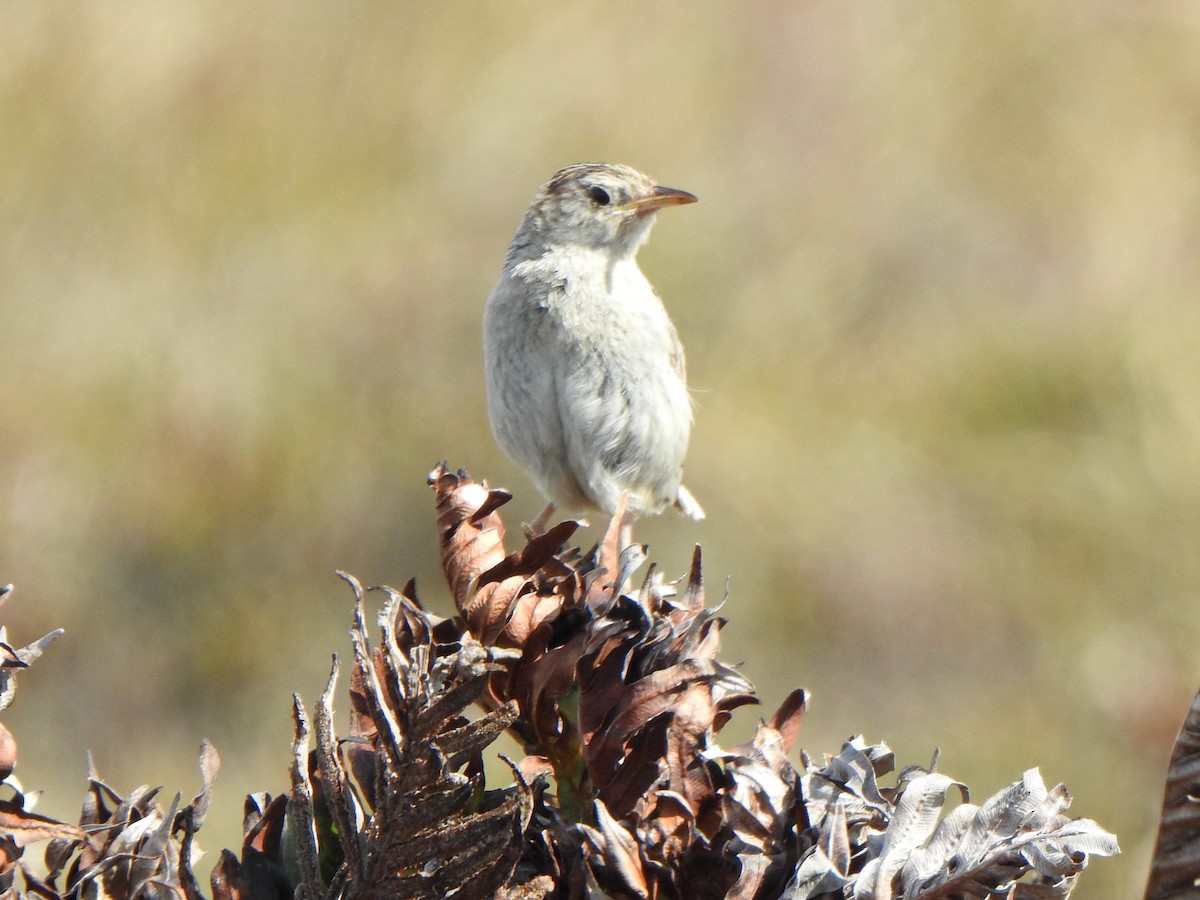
x,y
601,206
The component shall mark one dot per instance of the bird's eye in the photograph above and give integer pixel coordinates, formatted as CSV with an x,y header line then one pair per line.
x,y
599,196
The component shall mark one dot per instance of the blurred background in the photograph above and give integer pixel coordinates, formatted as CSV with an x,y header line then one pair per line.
x,y
939,300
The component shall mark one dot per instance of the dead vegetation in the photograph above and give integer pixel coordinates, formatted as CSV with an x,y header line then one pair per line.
x,y
608,674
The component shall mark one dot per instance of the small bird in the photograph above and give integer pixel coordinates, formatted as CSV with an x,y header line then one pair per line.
x,y
585,373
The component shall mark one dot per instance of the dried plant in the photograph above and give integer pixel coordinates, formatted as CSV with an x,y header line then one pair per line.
x,y
1175,868
621,695
122,846
616,694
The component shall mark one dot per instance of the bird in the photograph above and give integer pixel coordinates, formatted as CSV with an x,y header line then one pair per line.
x,y
585,375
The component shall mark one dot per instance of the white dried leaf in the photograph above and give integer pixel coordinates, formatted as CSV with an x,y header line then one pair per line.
x,y
817,874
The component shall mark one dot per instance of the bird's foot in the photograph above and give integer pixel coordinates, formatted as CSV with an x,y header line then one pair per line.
x,y
539,525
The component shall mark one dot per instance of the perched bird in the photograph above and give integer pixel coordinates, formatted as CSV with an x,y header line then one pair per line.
x,y
585,373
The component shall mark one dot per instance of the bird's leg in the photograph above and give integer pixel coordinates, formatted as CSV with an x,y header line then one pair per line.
x,y
626,532
538,525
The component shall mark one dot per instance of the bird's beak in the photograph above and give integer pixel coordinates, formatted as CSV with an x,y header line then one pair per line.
x,y
657,199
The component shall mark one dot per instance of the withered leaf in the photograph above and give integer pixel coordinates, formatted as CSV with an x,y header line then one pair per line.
x,y
472,534
228,880
788,717
619,850
8,752
25,828
644,700
1176,862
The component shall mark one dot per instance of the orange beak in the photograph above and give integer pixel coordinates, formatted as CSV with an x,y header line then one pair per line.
x,y
658,198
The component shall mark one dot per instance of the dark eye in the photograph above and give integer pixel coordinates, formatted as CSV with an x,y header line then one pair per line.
x,y
599,196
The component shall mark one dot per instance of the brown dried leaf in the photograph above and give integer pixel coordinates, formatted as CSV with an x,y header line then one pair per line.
x,y
472,853
36,886
192,817
16,660
471,533
691,721
9,658
620,852
339,797
603,683
503,590
667,825
1175,867
641,769
788,717
300,806
25,828
472,737
531,768
263,820
8,752
228,880
691,601
526,616
411,825
646,699
544,676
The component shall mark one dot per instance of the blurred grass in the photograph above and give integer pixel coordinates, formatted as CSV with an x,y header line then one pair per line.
x,y
939,300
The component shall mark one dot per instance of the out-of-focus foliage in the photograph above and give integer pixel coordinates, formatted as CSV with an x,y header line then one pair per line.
x,y
941,285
